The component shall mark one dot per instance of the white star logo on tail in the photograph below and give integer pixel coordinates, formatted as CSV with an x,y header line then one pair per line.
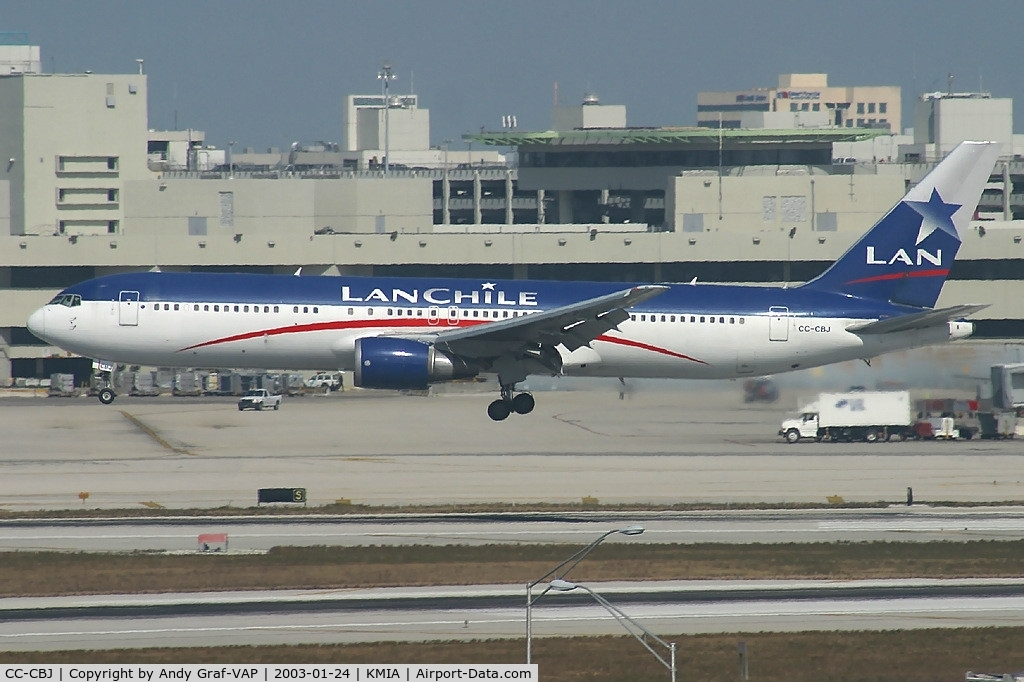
x,y
935,215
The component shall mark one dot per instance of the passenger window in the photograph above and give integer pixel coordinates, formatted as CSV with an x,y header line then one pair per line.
x,y
245,310
351,311
295,309
236,308
741,320
390,312
692,318
721,320
206,307
701,318
672,318
316,309
633,318
216,308
711,319
476,313
305,308
369,312
732,320
275,309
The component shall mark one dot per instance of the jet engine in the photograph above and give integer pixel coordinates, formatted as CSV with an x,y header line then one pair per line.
x,y
387,362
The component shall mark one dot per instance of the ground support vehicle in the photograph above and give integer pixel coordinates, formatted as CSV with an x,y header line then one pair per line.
x,y
259,399
868,416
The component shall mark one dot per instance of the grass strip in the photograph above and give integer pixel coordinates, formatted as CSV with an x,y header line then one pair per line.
x,y
892,656
64,573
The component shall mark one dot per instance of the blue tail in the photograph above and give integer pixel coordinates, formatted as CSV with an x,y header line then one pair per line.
x,y
905,258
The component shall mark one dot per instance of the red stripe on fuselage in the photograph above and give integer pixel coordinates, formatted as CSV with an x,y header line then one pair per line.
x,y
901,275
645,346
327,326
407,323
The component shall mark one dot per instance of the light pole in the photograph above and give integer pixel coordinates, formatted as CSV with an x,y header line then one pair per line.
x,y
231,159
386,76
446,188
627,622
564,567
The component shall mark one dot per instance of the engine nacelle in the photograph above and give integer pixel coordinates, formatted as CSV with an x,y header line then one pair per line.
x,y
387,362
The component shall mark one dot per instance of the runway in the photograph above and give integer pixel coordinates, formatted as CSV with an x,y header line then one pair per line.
x,y
378,448
254,534
485,612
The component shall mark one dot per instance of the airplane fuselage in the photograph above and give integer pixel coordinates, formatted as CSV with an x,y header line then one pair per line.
x,y
262,321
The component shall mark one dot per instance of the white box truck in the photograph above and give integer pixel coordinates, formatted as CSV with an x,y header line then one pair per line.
x,y
857,415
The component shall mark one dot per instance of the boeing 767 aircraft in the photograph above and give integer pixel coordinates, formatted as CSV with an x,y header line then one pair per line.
x,y
408,333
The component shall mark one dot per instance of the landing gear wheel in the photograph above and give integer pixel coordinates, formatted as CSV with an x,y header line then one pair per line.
x,y
107,395
499,410
523,403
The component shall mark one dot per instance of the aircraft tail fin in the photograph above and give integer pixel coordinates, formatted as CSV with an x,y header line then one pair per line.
x,y
905,258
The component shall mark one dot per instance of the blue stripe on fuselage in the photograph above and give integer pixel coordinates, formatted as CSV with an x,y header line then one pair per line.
x,y
715,299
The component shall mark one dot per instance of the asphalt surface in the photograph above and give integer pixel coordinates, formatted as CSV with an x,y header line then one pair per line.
x,y
259,534
382,448
418,614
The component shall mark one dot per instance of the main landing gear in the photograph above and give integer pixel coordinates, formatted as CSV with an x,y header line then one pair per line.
x,y
507,404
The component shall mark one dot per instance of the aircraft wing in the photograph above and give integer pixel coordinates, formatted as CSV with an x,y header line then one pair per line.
x,y
573,325
921,320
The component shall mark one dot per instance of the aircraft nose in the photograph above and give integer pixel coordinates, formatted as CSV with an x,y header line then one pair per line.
x,y
37,323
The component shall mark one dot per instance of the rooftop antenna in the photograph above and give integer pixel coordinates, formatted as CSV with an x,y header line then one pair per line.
x,y
140,63
556,93
949,84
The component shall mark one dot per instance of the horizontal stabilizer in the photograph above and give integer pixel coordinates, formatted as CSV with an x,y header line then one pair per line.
x,y
921,320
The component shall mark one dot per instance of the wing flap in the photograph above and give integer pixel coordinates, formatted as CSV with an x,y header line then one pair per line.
x,y
574,325
921,320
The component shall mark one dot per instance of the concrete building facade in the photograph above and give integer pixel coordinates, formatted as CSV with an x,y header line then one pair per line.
x,y
856,106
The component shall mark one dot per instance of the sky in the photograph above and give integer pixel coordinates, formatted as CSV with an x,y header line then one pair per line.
x,y
266,73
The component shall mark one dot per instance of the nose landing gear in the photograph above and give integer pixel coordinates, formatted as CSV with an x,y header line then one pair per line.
x,y
508,403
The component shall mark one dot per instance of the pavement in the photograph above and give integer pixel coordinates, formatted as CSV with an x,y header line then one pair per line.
x,y
682,443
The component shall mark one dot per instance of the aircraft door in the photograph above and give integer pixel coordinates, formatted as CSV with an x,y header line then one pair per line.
x,y
432,315
128,309
778,323
453,315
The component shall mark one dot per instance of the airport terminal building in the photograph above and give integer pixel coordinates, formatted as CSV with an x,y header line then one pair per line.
x,y
87,189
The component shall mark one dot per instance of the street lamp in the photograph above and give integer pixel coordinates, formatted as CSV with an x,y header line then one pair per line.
x,y
564,567
231,159
386,76
628,623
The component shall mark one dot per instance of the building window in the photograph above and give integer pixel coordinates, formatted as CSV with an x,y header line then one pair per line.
x,y
871,107
883,107
860,107
793,106
815,107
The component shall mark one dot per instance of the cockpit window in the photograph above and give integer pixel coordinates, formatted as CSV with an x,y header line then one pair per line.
x,y
69,300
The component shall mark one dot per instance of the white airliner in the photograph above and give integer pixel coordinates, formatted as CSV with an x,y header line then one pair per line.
x,y
407,333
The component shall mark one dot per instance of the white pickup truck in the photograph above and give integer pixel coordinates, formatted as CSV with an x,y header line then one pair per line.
x,y
259,399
